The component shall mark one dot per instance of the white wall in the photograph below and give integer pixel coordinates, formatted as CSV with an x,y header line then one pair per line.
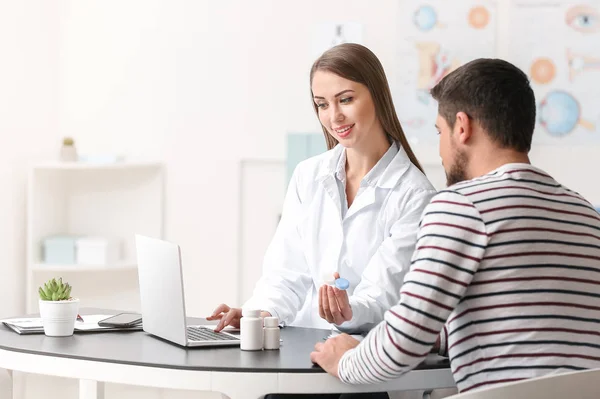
x,y
200,85
28,125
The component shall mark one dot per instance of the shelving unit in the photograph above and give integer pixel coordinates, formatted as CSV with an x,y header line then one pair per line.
x,y
121,265
116,201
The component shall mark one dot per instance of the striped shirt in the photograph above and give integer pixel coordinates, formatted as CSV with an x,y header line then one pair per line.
x,y
507,272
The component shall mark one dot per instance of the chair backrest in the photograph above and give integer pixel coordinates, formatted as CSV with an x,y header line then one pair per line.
x,y
576,385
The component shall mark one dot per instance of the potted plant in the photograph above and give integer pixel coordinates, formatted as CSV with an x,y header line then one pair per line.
x,y
57,309
68,152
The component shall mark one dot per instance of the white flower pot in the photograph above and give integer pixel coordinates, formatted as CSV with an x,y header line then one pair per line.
x,y
68,153
58,317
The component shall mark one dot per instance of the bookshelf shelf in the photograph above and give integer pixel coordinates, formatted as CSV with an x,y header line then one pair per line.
x,y
76,268
115,201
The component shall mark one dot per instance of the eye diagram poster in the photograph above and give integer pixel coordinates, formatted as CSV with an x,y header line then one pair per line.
x,y
436,37
560,53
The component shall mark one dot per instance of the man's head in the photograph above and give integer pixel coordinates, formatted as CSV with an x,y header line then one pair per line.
x,y
486,103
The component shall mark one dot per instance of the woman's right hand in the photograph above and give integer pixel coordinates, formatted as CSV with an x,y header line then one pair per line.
x,y
227,316
334,304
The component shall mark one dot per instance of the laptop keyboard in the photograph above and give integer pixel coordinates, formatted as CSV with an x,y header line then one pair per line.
x,y
207,334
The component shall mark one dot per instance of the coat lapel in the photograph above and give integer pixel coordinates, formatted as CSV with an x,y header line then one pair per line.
x,y
366,198
326,176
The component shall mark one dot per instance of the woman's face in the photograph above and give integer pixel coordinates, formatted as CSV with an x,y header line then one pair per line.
x,y
346,109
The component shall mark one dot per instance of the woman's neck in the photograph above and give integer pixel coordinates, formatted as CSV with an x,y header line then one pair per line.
x,y
360,161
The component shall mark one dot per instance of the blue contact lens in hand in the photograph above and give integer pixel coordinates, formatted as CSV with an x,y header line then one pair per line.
x,y
342,283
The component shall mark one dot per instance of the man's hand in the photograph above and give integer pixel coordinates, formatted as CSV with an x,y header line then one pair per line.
x,y
328,354
334,305
436,346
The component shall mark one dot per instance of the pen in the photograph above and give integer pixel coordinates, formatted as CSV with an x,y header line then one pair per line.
x,y
79,318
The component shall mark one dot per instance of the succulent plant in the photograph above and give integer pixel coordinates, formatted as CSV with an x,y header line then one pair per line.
x,y
55,290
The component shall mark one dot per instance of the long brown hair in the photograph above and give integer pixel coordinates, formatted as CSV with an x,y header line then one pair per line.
x,y
357,63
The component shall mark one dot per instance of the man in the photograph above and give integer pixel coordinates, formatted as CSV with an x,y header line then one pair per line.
x,y
506,269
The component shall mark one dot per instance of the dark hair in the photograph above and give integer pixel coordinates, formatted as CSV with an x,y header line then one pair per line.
x,y
357,63
496,94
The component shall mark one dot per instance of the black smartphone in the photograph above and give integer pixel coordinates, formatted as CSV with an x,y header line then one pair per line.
x,y
122,320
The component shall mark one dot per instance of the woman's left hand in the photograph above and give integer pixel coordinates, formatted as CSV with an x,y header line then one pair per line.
x,y
334,304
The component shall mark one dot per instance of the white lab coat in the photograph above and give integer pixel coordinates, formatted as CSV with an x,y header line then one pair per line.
x,y
371,247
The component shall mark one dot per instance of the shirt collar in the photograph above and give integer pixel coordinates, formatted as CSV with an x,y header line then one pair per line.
x,y
503,169
340,167
385,173
372,178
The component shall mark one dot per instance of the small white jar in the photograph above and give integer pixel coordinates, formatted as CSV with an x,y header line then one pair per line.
x,y
271,333
251,330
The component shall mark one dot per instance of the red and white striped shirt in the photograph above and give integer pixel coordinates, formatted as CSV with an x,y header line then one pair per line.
x,y
507,268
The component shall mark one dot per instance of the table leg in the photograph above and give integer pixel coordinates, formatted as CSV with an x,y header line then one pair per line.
x,y
14,387
244,385
11,382
90,389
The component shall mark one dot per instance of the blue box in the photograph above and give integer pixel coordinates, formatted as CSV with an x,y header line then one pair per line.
x,y
59,249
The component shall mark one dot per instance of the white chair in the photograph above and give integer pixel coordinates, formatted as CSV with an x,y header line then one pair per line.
x,y
421,394
576,385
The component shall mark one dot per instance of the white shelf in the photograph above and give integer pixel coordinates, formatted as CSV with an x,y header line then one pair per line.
x,y
44,267
94,166
112,200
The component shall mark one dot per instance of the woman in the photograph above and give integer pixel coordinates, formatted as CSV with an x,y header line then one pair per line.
x,y
352,211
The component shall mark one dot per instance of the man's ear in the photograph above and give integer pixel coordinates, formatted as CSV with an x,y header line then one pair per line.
x,y
463,127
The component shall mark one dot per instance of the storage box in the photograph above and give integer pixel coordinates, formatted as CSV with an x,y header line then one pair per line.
x,y
96,251
59,249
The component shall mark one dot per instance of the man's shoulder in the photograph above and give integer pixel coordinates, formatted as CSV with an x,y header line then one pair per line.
x,y
451,203
451,195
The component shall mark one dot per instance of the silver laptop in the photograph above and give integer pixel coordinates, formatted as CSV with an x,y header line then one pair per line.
x,y
162,297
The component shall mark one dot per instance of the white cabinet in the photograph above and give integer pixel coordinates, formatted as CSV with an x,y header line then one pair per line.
x,y
115,201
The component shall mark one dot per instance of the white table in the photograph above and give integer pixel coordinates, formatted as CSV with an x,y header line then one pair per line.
x,y
136,358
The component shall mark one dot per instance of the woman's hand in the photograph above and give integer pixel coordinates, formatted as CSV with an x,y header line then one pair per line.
x,y
229,316
334,304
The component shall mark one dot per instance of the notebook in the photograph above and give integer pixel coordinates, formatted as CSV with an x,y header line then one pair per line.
x,y
33,325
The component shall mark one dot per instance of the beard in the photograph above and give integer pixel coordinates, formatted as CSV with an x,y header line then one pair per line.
x,y
458,170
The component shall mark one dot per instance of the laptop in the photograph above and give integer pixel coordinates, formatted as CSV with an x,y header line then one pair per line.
x,y
162,297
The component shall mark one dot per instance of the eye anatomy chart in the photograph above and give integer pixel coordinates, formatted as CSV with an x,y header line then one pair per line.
x,y
561,55
555,42
436,37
